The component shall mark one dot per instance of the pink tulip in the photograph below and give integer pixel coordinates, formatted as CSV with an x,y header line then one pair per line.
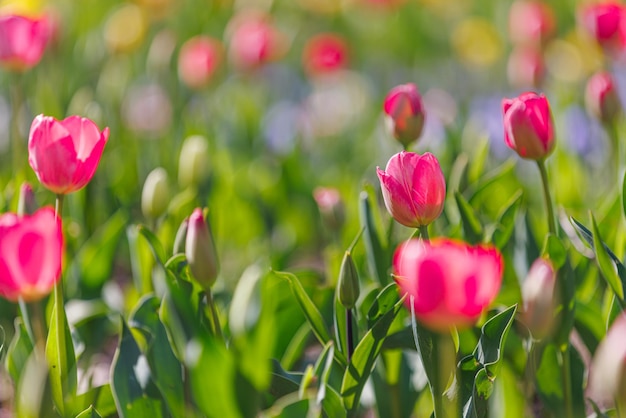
x,y
324,53
528,126
22,41
198,61
254,40
414,188
530,22
525,67
405,113
200,250
449,283
607,377
605,22
65,154
30,254
538,297
601,97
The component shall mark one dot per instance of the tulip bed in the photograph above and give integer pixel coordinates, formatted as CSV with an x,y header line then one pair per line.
x,y
312,208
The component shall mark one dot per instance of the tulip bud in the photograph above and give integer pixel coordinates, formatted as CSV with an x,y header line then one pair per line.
x,y
538,298
413,188
194,161
156,194
331,206
324,53
26,205
200,250
604,22
607,377
405,113
601,97
181,236
348,282
528,126
530,22
199,59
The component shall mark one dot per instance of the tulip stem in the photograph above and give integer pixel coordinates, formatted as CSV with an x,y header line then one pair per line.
x,y
424,233
349,336
16,143
27,321
215,319
567,381
612,130
546,194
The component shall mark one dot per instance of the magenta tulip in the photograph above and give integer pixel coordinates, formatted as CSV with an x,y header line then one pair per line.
x,y
605,22
601,97
254,40
405,113
30,254
324,54
65,154
199,59
448,283
528,126
22,41
414,188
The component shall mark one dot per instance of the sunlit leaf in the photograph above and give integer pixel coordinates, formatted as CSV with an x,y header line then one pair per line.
x,y
472,228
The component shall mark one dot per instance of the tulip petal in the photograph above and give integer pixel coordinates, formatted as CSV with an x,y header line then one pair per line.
x,y
84,133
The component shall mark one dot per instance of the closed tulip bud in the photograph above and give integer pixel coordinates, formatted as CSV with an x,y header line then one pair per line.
x,y
538,297
348,284
448,283
26,205
528,126
181,237
605,23
193,165
601,97
155,196
22,41
200,250
607,376
530,22
404,112
413,187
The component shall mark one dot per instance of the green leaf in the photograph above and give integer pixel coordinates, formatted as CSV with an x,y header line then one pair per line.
x,y
32,396
60,356
624,195
478,159
506,221
364,357
492,335
283,383
155,244
89,413
493,177
312,314
166,370
375,249
100,397
19,350
554,249
608,267
341,324
472,228
296,346
131,378
383,303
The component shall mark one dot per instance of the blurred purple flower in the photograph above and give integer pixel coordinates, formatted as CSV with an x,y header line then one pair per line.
x,y
583,135
486,117
281,126
147,109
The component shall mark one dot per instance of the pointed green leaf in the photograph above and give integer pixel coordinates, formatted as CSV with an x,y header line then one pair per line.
x,y
19,350
131,378
607,266
383,303
554,249
341,324
506,221
89,413
100,397
375,249
283,383
472,228
60,356
492,177
492,336
364,357
155,244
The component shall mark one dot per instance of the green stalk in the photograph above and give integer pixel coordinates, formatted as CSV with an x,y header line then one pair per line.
x,y
27,321
424,233
567,381
215,319
58,287
436,386
546,194
611,129
349,334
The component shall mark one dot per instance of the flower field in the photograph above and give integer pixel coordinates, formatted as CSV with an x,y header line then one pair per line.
x,y
312,208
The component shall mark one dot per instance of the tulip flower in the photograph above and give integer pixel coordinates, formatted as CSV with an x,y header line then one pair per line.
x,y
405,113
605,22
448,283
254,40
607,378
531,22
30,254
65,154
528,126
601,97
324,53
22,41
539,306
413,187
200,250
331,206
198,61
525,67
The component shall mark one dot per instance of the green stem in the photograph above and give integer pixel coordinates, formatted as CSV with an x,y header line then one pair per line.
x,y
215,319
612,131
435,386
567,381
424,233
349,334
27,321
58,289
546,194
16,143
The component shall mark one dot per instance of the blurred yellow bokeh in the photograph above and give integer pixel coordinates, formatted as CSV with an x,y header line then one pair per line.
x,y
125,28
23,7
476,42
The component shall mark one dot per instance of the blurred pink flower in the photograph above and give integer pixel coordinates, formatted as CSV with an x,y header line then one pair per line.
x,y
528,126
22,41
605,22
30,254
405,113
530,22
607,376
199,59
413,187
324,53
449,283
200,250
526,67
254,40
330,205
538,297
65,154
601,98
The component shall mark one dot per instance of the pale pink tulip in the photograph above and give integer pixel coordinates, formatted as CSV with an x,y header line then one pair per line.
x,y
528,126
449,283
22,41
607,377
199,59
601,97
530,22
30,254
538,297
413,187
65,154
